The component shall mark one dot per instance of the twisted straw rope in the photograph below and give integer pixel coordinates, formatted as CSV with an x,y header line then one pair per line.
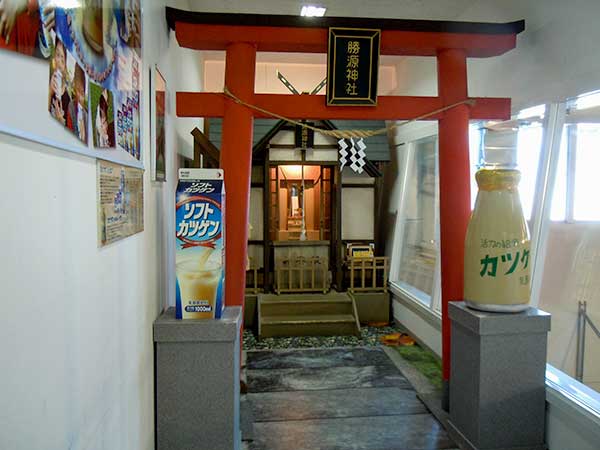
x,y
343,134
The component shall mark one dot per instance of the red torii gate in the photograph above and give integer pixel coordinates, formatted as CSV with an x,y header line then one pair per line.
x,y
242,35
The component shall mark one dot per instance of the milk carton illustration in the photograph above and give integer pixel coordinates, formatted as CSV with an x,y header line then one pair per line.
x,y
200,243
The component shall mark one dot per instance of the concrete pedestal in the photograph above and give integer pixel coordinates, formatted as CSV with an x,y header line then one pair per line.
x,y
197,382
497,380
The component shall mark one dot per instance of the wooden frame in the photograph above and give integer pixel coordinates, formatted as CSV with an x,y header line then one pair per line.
x,y
252,270
284,272
371,265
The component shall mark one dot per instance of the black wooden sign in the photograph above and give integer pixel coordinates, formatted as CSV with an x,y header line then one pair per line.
x,y
352,66
303,137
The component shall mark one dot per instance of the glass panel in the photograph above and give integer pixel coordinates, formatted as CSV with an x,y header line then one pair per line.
x,y
587,163
529,147
571,264
475,157
419,231
559,198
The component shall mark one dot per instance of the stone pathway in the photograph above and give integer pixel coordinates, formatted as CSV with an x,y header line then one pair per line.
x,y
369,337
335,399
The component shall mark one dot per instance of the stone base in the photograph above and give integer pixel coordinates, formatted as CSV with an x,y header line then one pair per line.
x,y
372,306
497,380
197,379
465,444
251,313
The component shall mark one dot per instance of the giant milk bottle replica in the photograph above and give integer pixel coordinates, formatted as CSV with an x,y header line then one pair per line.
x,y
497,245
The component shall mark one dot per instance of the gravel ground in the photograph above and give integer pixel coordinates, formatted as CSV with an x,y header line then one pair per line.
x,y
369,338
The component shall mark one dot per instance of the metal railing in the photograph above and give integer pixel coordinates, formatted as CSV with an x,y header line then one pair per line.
x,y
582,320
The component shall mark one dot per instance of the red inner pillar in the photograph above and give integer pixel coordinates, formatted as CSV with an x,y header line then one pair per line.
x,y
236,161
455,199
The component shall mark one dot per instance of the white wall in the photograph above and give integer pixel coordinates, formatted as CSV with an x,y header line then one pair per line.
x,y
304,76
556,56
76,322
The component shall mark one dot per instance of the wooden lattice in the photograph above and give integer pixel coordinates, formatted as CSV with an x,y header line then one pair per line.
x,y
367,271
301,274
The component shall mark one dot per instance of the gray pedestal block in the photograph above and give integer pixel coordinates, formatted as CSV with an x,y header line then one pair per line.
x,y
197,382
497,380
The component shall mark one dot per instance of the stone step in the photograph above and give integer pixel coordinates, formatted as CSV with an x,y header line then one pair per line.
x,y
305,308
307,315
290,298
308,319
308,325
308,329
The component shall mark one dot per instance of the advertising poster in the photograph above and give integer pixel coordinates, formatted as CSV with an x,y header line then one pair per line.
x,y
159,123
104,37
103,116
120,191
84,42
26,26
67,92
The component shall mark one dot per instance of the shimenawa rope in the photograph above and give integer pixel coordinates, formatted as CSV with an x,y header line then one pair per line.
x,y
343,134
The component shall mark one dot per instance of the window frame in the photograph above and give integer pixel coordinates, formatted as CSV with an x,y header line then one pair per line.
x,y
430,302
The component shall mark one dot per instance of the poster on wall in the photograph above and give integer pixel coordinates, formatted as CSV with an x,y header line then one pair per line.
x,y
104,37
120,202
93,50
158,157
67,93
103,120
26,26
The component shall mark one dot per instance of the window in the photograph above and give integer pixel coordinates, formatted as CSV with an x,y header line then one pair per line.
x,y
559,196
418,221
475,156
576,182
586,206
529,146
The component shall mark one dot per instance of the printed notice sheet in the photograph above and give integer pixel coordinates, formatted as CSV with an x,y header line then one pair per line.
x,y
120,201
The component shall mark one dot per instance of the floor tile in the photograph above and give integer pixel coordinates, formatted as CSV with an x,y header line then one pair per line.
x,y
302,405
306,358
414,432
302,379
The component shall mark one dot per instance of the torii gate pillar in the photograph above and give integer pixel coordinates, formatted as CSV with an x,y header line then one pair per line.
x,y
236,161
455,205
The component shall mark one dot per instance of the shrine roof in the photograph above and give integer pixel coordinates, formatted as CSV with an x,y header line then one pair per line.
x,y
377,146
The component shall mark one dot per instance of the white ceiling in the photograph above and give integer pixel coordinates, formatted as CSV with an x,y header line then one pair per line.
x,y
400,9
535,14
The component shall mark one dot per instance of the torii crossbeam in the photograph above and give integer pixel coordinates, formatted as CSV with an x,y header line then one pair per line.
x,y
451,43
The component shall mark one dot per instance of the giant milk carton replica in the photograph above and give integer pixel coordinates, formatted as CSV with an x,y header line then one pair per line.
x,y
200,244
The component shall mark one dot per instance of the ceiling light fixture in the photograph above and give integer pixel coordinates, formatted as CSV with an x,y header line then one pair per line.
x,y
313,11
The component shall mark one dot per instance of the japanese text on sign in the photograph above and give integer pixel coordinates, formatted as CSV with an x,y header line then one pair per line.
x,y
200,188
352,66
352,63
197,223
507,261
